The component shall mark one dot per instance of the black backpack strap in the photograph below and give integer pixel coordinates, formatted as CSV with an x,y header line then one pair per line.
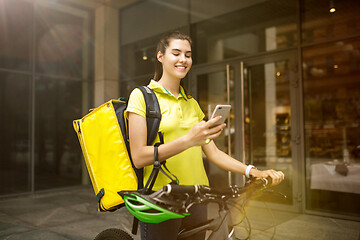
x,y
153,118
158,167
153,113
149,184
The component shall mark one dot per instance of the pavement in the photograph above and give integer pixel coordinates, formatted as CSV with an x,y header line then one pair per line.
x,y
71,213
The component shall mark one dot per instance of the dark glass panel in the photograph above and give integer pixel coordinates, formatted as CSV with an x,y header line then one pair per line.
x,y
331,74
319,24
142,26
15,133
16,25
146,19
259,27
138,58
57,151
59,38
126,87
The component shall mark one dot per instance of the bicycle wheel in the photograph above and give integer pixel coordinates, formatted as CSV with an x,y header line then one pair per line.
x,y
113,234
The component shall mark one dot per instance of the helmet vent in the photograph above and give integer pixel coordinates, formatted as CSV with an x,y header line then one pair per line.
x,y
135,202
151,211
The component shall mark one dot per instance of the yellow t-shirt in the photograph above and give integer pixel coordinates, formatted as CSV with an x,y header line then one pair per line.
x,y
178,116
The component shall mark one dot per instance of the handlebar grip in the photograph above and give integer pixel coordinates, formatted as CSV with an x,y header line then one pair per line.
x,y
268,182
265,182
173,188
206,189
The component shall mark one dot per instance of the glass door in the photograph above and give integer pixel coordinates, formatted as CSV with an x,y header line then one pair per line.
x,y
271,116
264,96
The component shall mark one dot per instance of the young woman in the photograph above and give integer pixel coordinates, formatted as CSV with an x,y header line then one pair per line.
x,y
186,135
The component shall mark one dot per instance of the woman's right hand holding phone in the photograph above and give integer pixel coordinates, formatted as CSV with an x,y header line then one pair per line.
x,y
203,131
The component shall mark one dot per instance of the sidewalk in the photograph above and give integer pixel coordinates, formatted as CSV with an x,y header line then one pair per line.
x,y
70,214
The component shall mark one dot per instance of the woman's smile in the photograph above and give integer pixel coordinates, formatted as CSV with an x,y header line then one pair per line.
x,y
181,67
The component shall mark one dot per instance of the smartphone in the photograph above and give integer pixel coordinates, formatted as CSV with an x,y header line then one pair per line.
x,y
223,111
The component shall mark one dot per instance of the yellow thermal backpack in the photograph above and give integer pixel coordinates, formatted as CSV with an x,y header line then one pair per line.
x,y
103,138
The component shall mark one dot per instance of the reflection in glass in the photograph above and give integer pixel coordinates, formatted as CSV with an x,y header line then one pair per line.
x,y
319,24
58,155
58,34
268,121
138,58
15,133
263,26
126,87
332,126
15,34
142,26
212,90
60,40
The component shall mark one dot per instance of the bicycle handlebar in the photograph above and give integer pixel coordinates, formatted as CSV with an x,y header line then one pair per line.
x,y
180,198
193,189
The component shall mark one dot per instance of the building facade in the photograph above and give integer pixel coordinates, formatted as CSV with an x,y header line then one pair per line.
x,y
290,70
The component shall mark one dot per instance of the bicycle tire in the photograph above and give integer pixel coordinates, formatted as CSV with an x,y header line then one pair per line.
x,y
113,234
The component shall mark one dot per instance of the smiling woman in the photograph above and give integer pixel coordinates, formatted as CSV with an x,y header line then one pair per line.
x,y
185,135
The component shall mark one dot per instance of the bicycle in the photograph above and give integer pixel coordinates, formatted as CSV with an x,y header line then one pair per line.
x,y
174,201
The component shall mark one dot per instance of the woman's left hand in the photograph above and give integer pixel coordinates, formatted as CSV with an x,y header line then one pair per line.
x,y
276,176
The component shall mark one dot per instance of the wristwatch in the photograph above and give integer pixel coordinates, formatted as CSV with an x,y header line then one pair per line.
x,y
247,171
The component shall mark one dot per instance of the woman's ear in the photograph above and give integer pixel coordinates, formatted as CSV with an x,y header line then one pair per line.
x,y
159,56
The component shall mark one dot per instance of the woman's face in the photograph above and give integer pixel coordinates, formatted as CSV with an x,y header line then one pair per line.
x,y
177,59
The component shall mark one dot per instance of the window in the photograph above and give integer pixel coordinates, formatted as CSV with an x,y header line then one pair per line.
x,y
45,62
16,35
252,28
332,126
15,112
319,24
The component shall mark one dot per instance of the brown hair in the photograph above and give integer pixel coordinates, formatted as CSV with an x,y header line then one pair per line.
x,y
162,45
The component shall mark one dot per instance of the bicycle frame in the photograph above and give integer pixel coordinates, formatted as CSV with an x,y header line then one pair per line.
x,y
222,226
219,227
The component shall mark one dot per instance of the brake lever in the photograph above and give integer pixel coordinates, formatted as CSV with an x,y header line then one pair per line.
x,y
276,192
